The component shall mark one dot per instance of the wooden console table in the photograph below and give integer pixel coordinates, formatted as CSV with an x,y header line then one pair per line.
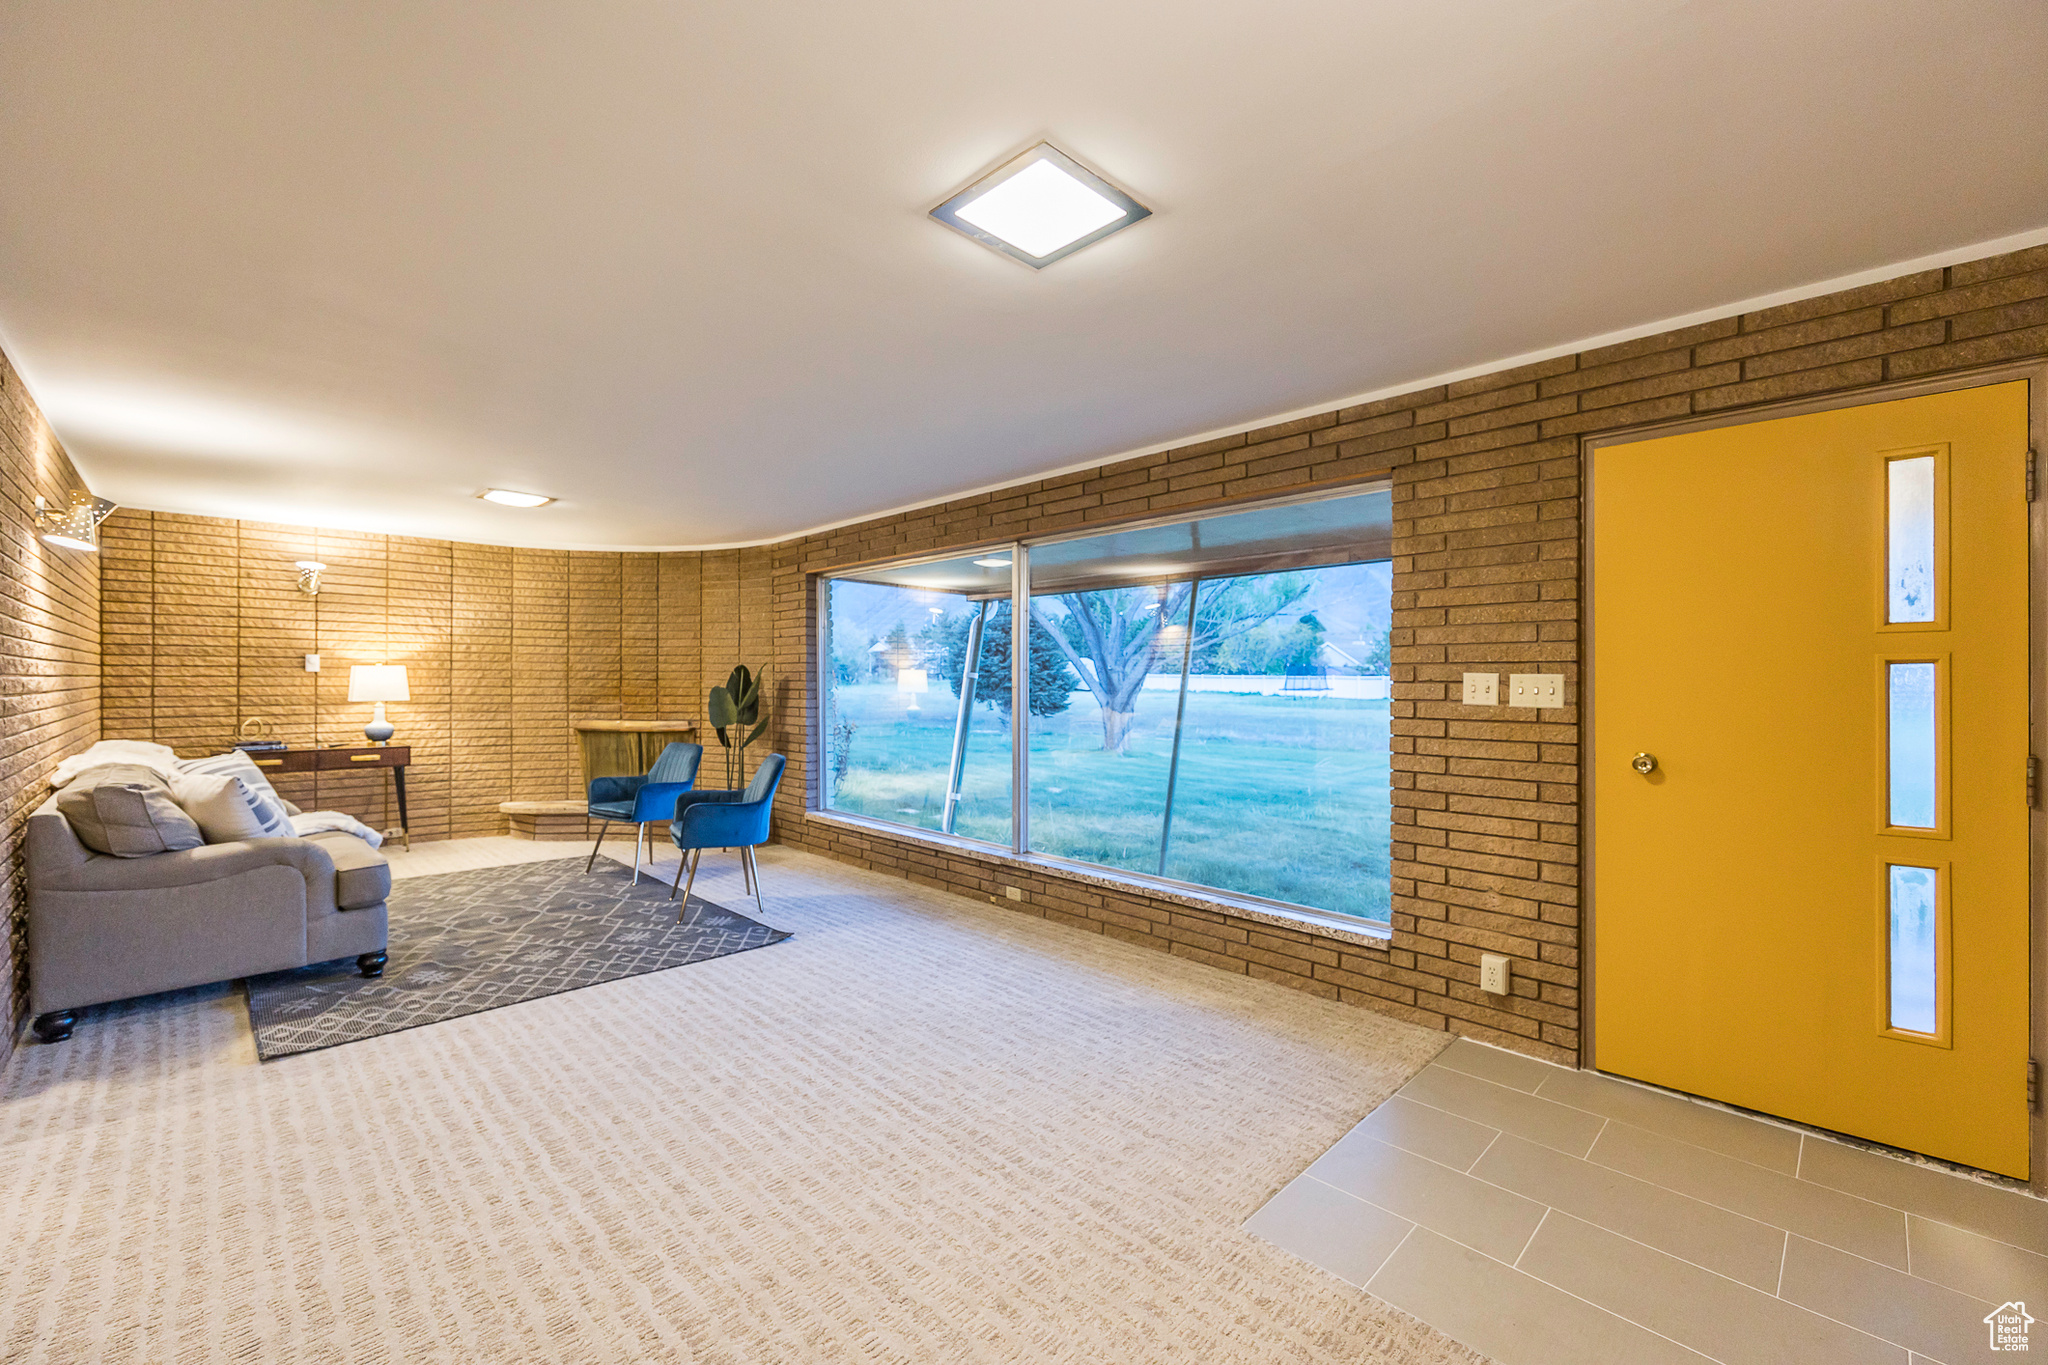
x,y
616,748
391,756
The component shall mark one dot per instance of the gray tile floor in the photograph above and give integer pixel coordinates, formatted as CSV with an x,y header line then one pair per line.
x,y
1554,1217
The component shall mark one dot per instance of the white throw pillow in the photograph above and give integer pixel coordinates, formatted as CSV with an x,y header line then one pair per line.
x,y
234,763
226,810
271,808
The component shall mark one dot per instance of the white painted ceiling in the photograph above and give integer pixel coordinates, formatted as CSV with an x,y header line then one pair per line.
x,y
347,263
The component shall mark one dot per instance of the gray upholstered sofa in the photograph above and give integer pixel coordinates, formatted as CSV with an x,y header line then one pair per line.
x,y
105,928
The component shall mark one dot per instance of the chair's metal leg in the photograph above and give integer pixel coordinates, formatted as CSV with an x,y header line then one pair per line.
x,y
680,866
602,827
756,868
746,875
639,842
684,908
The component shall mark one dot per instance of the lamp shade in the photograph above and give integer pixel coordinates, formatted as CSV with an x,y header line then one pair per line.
x,y
75,526
377,682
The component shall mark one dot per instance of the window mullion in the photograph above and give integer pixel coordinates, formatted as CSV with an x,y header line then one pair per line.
x,y
1180,715
1020,699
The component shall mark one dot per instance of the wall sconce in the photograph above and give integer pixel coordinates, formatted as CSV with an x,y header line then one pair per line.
x,y
75,526
309,576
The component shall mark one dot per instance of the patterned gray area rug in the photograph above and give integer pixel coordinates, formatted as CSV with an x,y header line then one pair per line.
x,y
464,942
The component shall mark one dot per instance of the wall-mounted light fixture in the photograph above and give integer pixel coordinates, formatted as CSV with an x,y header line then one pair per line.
x,y
309,576
75,526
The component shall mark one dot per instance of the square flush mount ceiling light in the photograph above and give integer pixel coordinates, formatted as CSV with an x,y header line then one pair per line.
x,y
1040,207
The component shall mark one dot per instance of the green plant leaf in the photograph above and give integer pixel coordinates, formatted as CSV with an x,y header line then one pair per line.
x,y
722,710
744,690
755,735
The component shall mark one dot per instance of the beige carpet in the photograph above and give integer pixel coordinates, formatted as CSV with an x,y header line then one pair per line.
x,y
922,1130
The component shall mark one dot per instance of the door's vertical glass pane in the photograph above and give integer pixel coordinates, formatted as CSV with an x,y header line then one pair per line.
x,y
1909,539
1283,788
1914,944
1105,686
899,645
1910,732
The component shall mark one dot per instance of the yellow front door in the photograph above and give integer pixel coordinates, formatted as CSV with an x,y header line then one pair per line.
x,y
1812,632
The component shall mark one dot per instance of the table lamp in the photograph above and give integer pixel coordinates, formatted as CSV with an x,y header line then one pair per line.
x,y
378,683
911,682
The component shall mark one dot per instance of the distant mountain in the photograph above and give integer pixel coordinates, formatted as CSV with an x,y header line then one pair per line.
x,y
1354,602
865,612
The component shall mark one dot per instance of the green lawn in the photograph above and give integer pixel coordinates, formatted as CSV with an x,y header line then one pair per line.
x,y
1281,797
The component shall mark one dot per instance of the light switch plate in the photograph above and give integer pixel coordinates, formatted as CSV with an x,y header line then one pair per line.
x,y
1482,689
1493,973
1543,690
312,663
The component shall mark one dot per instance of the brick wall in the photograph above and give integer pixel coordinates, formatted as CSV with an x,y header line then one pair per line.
x,y
50,640
205,628
1486,478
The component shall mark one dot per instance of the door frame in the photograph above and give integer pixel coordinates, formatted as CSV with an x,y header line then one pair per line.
x,y
2035,372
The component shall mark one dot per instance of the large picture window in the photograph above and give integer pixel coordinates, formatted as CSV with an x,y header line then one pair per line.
x,y
901,741
1205,701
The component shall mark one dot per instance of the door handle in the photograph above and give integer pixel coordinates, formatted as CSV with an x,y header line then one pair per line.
x,y
1644,763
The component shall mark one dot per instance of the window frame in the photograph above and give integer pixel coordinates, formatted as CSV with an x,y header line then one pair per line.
x,y
1019,849
818,797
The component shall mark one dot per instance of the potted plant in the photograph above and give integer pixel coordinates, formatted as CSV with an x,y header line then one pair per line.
x,y
739,717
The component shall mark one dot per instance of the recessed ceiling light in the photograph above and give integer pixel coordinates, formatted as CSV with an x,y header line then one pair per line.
x,y
1040,207
993,563
512,499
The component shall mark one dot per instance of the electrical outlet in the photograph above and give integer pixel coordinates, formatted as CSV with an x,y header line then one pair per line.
x,y
1482,689
312,663
1493,974
1014,893
1542,690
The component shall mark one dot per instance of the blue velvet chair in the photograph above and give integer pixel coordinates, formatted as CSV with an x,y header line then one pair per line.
x,y
643,799
725,819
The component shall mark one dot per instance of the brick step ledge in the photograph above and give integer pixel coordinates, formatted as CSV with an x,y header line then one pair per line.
x,y
547,819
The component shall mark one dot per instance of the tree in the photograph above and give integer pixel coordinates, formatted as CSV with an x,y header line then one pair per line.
x,y
1379,659
895,655
944,644
1114,636
1302,647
